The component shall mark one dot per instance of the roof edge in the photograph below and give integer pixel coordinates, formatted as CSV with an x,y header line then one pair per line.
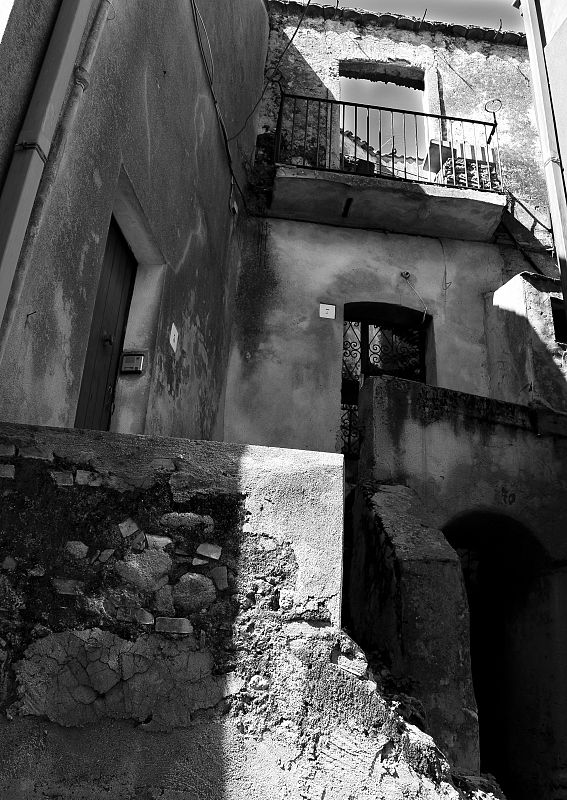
x,y
402,22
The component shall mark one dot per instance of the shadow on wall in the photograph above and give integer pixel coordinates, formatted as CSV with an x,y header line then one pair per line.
x,y
496,472
526,354
295,76
508,591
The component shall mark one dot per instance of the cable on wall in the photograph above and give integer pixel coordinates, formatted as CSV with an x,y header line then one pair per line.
x,y
406,276
209,71
272,77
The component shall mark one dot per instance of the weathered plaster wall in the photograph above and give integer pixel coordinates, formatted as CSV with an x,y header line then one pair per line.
x,y
460,452
464,454
285,365
170,629
527,365
407,604
22,48
148,113
461,75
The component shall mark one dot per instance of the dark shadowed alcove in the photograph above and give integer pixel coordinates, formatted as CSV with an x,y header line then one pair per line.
x,y
510,628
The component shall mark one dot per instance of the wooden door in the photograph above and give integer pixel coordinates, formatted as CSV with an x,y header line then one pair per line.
x,y
106,338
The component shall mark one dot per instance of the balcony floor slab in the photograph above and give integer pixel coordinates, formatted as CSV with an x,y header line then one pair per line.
x,y
400,206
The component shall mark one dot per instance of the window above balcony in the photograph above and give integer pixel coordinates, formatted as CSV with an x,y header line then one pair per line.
x,y
369,166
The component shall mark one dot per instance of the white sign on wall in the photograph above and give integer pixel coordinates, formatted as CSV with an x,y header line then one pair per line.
x,y
327,311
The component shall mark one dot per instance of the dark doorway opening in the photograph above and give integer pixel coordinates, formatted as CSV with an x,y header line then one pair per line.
x,y
110,315
378,339
502,567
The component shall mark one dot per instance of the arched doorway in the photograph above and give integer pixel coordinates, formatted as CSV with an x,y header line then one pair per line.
x,y
503,569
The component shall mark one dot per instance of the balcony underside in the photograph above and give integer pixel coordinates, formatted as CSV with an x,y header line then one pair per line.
x,y
373,203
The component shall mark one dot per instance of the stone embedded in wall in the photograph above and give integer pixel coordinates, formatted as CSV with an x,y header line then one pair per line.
x,y
208,550
86,478
144,617
62,478
163,601
7,471
138,543
185,519
220,578
158,542
128,527
35,450
68,586
193,592
175,625
76,549
145,570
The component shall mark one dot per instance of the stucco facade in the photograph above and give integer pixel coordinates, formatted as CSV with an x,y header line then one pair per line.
x,y
378,354
146,146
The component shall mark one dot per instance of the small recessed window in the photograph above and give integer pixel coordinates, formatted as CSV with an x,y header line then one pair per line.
x,y
559,320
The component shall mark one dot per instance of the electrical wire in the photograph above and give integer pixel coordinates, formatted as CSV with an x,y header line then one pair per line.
x,y
274,71
209,73
406,277
212,71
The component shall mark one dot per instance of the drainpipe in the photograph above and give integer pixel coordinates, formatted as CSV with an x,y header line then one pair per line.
x,y
552,166
36,137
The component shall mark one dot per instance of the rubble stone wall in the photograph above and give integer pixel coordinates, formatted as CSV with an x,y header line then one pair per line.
x,y
169,628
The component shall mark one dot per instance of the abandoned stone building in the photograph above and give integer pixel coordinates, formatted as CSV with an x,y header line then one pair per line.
x,y
283,398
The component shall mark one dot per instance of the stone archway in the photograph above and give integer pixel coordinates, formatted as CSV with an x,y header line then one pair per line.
x,y
510,636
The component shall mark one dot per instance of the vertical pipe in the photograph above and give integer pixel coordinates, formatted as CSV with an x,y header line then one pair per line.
x,y
488,157
305,132
318,127
355,131
476,158
367,133
342,108
405,146
292,130
498,161
465,155
416,145
452,146
33,148
329,128
442,176
393,143
279,129
380,140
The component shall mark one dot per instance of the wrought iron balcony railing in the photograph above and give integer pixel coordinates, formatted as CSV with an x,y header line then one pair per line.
x,y
316,133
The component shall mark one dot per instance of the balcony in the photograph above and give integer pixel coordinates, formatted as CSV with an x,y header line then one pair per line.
x,y
382,168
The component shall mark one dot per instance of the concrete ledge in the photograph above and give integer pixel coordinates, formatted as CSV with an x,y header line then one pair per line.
x,y
385,204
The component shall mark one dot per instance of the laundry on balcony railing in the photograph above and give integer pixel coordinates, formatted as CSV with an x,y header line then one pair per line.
x,y
322,134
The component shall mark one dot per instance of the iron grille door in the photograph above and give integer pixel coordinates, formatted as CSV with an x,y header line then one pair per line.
x,y
371,348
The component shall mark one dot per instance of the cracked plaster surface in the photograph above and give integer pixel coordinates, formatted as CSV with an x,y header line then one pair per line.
x,y
76,678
